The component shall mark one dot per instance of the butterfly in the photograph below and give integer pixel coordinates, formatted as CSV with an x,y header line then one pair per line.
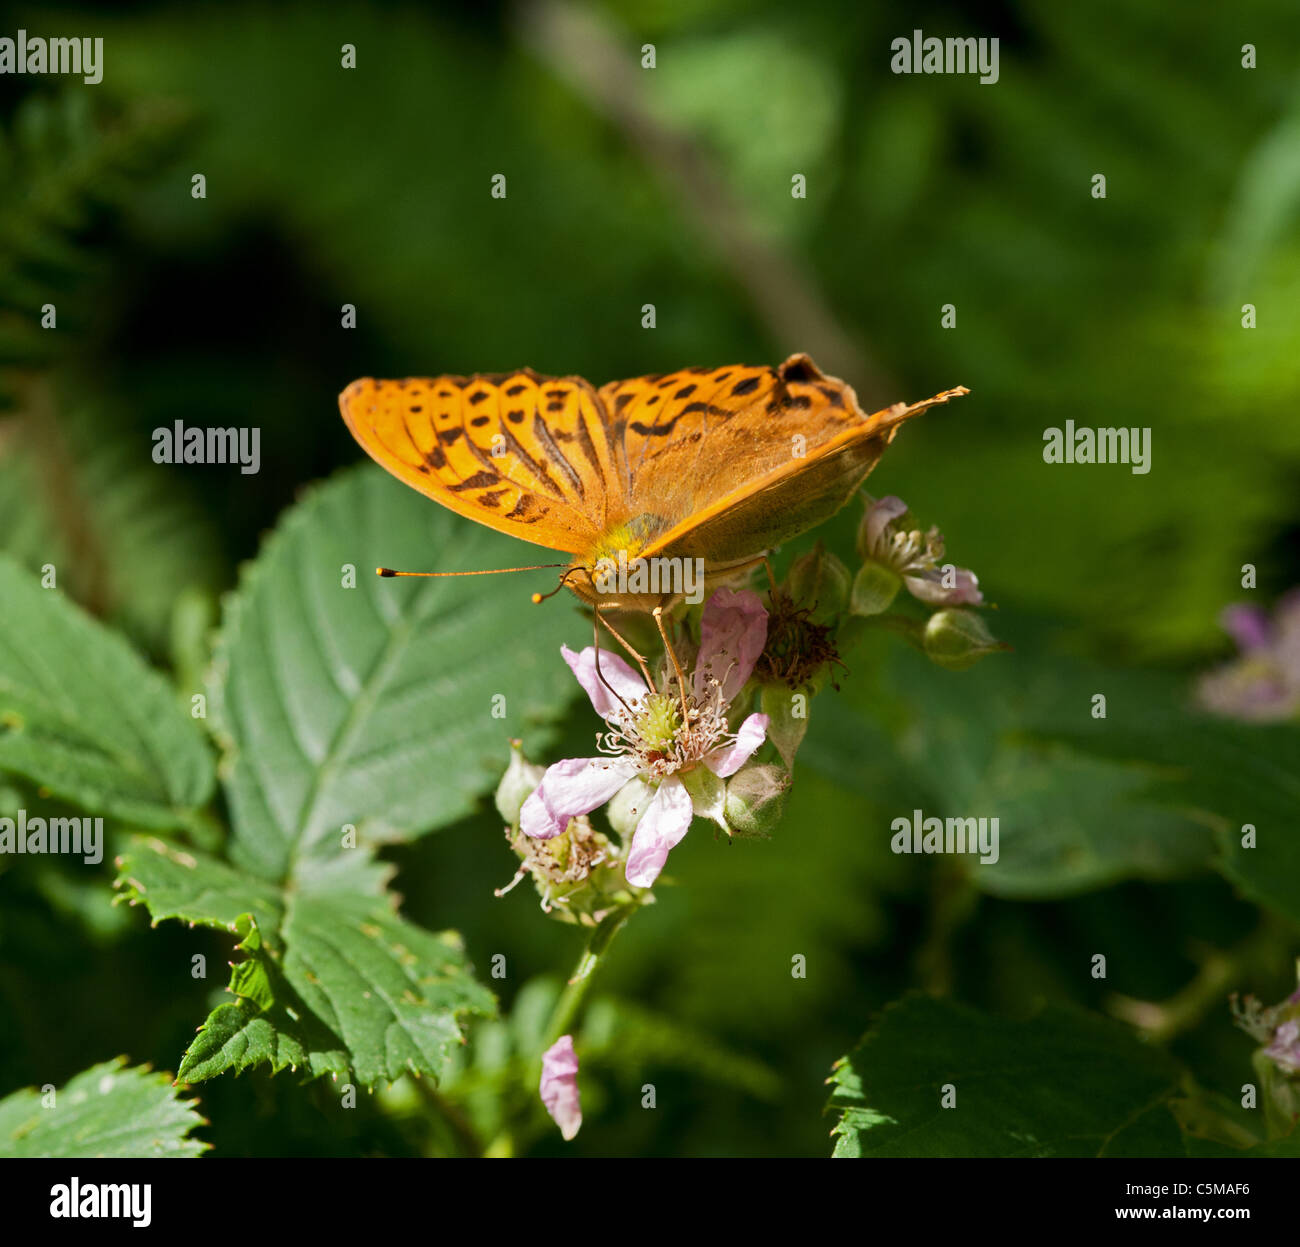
x,y
719,464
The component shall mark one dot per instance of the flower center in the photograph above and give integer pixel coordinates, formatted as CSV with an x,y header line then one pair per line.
x,y
658,721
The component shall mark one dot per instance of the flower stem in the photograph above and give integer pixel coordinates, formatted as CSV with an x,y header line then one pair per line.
x,y
571,1000
464,1133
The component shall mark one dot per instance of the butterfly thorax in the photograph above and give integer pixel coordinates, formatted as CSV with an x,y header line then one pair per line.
x,y
631,567
609,573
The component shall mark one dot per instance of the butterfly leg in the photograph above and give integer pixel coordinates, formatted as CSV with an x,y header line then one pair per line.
x,y
658,614
639,659
600,675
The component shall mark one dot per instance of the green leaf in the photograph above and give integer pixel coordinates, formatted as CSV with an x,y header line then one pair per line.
x,y
344,701
109,1110
1228,775
82,715
374,705
177,883
332,980
1063,1083
1069,823
1287,1147
964,745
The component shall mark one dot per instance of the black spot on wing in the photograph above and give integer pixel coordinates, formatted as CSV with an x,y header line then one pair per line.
x,y
556,455
480,480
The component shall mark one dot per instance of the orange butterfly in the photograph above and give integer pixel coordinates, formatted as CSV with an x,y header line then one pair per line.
x,y
714,463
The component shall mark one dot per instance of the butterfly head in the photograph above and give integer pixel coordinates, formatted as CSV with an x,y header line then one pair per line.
x,y
607,573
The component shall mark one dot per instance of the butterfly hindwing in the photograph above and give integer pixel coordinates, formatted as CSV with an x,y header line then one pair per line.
x,y
524,454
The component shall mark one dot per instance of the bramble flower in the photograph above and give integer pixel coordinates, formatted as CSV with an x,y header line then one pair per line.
x,y
896,556
1276,1028
1263,684
559,1086
676,745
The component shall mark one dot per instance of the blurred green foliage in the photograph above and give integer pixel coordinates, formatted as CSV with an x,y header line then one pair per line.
x,y
371,187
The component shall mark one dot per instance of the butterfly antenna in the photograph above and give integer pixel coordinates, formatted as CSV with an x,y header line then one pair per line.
x,y
490,571
564,581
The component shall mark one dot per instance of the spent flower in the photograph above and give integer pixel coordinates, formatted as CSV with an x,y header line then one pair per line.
x,y
579,874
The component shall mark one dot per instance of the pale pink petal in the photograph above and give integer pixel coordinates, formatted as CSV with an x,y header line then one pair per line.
x,y
927,586
559,1086
665,821
880,515
617,675
1249,626
569,788
733,631
730,758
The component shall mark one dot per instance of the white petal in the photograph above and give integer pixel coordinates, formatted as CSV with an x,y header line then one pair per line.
x,y
569,788
730,758
662,826
614,674
880,515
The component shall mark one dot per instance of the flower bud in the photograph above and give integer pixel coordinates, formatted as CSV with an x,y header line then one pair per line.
x,y
819,581
516,784
787,718
958,639
874,589
559,1086
756,799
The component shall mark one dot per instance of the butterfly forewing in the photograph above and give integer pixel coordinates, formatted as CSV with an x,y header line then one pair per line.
x,y
522,453
716,463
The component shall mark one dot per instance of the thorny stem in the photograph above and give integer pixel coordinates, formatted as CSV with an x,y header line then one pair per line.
x,y
571,1000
